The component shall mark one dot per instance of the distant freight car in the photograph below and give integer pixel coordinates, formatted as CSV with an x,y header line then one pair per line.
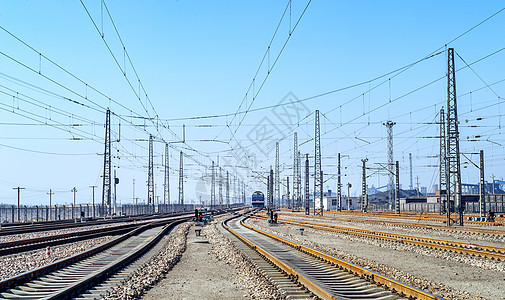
x,y
258,199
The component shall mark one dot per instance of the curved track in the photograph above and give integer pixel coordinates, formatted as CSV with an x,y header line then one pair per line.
x,y
325,276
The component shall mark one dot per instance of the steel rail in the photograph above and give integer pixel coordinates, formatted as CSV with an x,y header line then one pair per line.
x,y
368,275
451,246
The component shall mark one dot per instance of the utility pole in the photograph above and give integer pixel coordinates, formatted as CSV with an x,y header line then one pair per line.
x,y
19,207
50,204
453,159
74,216
307,192
116,181
166,185
397,188
181,180
227,188
349,185
339,185
107,168
296,174
93,197
364,196
389,125
288,198
444,198
318,181
150,176
277,176
220,180
271,189
482,191
212,187
411,186
417,184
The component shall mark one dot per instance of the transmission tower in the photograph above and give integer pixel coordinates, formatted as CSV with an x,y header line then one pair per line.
x,y
213,187
220,185
307,192
443,204
296,174
227,188
277,176
397,188
166,186
391,166
271,189
107,168
318,181
411,186
150,176
181,180
339,185
453,179
364,196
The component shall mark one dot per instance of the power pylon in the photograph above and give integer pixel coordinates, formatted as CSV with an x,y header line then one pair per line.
x,y
389,125
277,176
227,188
213,187
307,192
107,168
339,185
411,186
166,186
318,181
453,171
444,203
150,176
364,195
296,174
181,180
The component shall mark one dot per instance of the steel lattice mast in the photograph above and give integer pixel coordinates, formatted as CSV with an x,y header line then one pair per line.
x,y
213,187
296,174
339,185
397,188
453,171
107,168
181,180
482,188
277,176
364,195
271,189
391,165
227,188
307,191
166,186
318,182
411,186
150,176
220,185
443,204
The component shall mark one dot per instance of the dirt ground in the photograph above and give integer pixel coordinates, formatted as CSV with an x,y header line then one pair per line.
x,y
199,275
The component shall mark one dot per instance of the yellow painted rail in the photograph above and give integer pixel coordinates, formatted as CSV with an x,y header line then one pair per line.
x,y
451,246
382,280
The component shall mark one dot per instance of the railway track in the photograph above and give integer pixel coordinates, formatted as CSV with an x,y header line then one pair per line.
x,y
492,252
301,272
69,277
483,231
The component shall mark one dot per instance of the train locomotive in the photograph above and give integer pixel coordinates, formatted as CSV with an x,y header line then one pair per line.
x,y
258,200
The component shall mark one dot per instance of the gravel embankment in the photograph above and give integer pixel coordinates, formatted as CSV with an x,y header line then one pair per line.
x,y
431,286
12,265
154,270
258,286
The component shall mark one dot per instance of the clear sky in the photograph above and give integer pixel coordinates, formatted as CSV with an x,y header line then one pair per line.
x,y
201,58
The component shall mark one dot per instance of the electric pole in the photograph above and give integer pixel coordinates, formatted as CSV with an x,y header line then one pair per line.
x,y
397,189
74,190
19,207
181,180
339,185
150,176
389,125
212,187
50,204
107,168
444,194
166,185
364,196
296,174
277,176
307,192
93,197
318,181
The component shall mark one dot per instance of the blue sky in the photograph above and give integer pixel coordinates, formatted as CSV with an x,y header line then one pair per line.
x,y
198,58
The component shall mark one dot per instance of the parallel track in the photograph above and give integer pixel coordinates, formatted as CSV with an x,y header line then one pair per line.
x,y
322,274
446,245
68,277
